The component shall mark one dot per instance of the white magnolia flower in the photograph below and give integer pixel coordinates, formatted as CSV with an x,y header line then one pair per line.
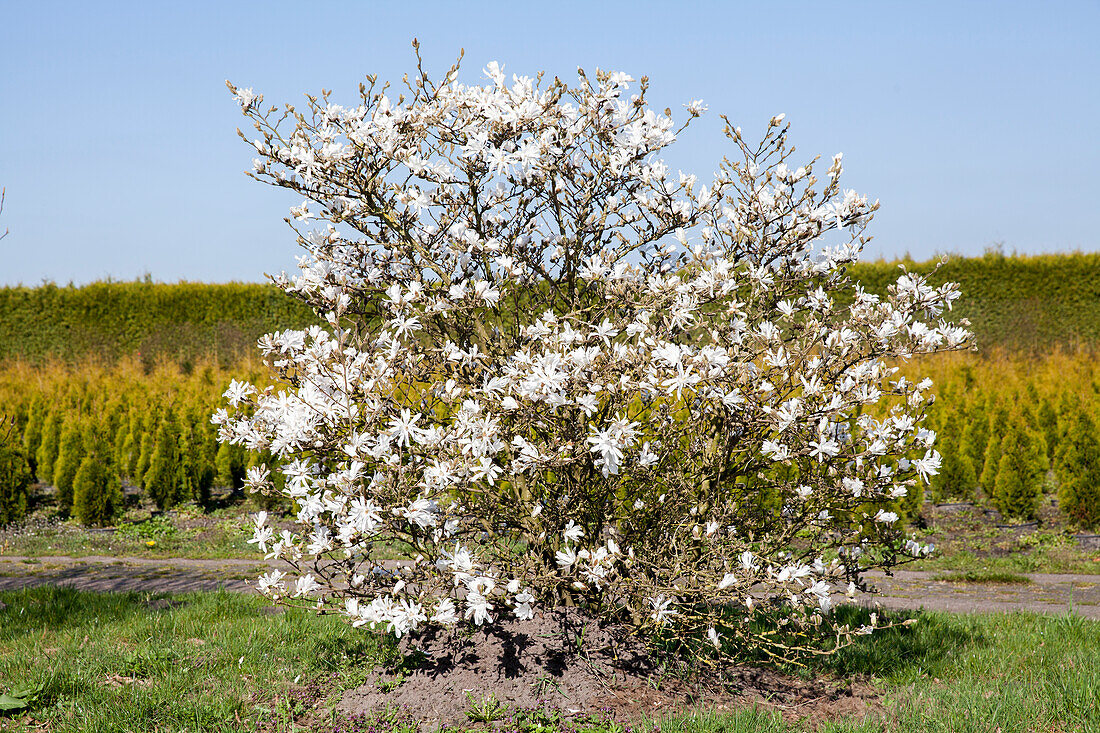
x,y
522,609
478,608
662,610
306,585
445,613
271,583
748,561
566,557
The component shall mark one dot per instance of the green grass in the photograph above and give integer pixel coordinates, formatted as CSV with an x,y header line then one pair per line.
x,y
108,662
217,543
220,662
189,533
968,542
1018,671
1039,560
982,576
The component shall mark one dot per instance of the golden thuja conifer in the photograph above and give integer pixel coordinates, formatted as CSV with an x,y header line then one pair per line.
x,y
122,445
162,478
975,436
991,462
70,453
1018,487
46,454
32,431
131,447
15,476
230,461
1048,423
956,478
194,471
1078,469
147,434
97,488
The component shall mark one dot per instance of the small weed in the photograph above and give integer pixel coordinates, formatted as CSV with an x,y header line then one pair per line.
x,y
388,686
19,700
154,528
150,660
544,684
1045,539
536,720
487,710
391,720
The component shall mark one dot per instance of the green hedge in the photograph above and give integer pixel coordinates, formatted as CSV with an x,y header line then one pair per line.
x,y
1015,302
1020,303
106,320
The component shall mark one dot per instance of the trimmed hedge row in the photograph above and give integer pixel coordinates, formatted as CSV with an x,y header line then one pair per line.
x,y
1020,303
105,321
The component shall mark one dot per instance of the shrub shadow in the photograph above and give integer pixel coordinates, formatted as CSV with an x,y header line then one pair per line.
x,y
52,607
900,651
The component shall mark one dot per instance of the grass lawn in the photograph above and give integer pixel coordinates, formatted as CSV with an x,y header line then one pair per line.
x,y
185,531
189,533
223,662
1038,560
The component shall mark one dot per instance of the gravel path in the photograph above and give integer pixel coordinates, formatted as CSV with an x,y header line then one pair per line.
x,y
907,589
1046,593
153,575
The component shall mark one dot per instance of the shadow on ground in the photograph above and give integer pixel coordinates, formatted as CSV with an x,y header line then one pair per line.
x,y
901,651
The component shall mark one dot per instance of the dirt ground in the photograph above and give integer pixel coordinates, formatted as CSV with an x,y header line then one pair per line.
x,y
973,532
535,664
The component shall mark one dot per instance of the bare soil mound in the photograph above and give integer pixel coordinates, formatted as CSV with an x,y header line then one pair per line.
x,y
558,661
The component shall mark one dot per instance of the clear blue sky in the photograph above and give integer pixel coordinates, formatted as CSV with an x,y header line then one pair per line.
x,y
974,123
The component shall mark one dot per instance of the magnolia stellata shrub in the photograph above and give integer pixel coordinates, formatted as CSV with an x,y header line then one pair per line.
x,y
563,373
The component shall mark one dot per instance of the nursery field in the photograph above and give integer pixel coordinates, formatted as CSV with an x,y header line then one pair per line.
x,y
98,442
131,372
100,439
